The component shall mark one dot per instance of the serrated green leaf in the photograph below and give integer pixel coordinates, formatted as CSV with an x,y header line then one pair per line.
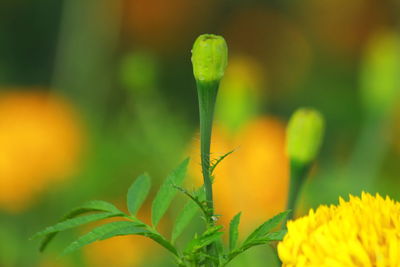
x,y
276,236
269,237
77,221
186,215
117,229
137,193
266,227
219,160
167,192
105,231
234,231
162,241
90,206
208,237
183,219
93,205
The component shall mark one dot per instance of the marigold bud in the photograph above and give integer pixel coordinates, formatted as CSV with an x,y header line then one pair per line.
x,y
304,135
209,57
380,78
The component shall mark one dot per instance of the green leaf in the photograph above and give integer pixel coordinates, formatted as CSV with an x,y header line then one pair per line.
x,y
137,193
266,227
167,192
90,206
183,219
93,205
276,236
162,241
105,231
234,231
208,237
188,212
219,160
71,223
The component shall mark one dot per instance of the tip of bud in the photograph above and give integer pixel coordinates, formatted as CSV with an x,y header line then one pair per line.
x,y
209,57
304,135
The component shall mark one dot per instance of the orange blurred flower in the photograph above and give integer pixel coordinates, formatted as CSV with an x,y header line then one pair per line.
x,y
40,140
254,179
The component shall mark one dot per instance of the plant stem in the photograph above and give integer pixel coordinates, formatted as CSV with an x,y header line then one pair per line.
x,y
370,152
207,94
298,173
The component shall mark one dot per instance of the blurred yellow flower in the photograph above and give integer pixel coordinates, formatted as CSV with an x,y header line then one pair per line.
x,y
254,179
40,140
360,232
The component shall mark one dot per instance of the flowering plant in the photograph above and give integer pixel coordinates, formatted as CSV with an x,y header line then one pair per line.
x,y
305,131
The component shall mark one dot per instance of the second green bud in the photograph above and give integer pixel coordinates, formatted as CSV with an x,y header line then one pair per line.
x,y
304,135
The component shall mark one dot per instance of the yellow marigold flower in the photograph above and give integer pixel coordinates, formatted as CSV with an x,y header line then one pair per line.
x,y
360,232
40,141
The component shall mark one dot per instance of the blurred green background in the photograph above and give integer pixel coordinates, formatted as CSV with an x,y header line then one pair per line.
x,y
95,92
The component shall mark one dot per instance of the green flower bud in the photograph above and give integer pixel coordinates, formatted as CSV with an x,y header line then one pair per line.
x,y
304,135
139,72
209,57
380,77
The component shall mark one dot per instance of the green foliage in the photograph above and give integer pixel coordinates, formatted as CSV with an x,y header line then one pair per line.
x,y
199,242
196,252
162,241
105,231
166,193
234,231
219,160
71,220
137,193
74,222
260,236
266,227
187,213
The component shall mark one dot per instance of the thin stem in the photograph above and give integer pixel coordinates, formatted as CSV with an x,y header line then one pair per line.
x,y
207,94
298,173
369,152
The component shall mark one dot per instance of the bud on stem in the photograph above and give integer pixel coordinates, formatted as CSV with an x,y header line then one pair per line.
x,y
304,137
209,59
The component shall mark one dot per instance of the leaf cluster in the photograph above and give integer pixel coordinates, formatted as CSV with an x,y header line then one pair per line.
x,y
193,254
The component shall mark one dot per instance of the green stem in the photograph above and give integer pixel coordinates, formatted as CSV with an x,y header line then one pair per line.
x,y
207,94
369,152
298,173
